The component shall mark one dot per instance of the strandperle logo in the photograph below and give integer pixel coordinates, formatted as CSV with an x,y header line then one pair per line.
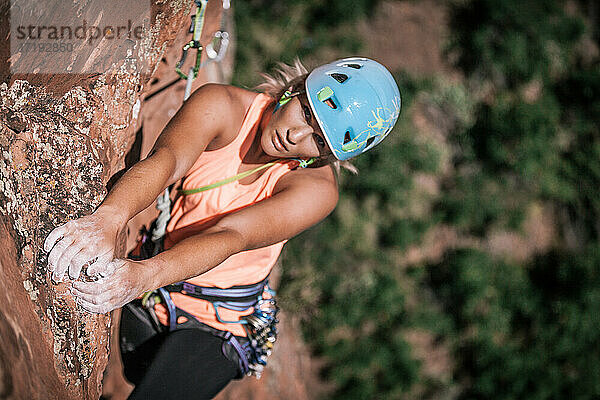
x,y
85,32
77,37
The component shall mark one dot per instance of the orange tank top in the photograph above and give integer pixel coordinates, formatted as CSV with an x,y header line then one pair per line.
x,y
193,213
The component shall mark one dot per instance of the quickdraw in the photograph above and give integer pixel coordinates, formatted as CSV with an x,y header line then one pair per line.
x,y
196,29
221,37
261,328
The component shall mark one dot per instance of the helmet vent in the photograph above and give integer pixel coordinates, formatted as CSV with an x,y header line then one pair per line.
x,y
347,137
355,66
341,78
330,103
325,95
370,141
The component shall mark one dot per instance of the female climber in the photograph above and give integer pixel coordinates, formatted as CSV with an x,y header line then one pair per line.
x,y
255,170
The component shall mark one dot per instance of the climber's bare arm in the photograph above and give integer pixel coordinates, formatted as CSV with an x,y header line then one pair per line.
x,y
197,125
199,121
302,199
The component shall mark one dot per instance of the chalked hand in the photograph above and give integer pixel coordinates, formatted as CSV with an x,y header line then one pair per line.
x,y
125,283
86,241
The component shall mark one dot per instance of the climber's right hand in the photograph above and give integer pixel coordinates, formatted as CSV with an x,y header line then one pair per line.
x,y
89,240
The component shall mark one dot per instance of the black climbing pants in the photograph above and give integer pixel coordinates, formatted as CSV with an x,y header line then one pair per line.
x,y
183,364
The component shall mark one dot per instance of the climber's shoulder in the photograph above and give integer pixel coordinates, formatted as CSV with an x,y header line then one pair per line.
x,y
222,108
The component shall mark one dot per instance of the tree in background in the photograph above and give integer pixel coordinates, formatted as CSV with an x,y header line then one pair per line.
x,y
520,133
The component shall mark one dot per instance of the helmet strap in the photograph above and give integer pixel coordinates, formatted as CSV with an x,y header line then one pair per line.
x,y
285,98
306,163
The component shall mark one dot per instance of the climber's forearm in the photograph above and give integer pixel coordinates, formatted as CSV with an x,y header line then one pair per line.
x,y
192,256
139,187
127,279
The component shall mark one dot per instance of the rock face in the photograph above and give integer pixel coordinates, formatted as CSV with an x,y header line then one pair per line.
x,y
51,171
62,137
64,140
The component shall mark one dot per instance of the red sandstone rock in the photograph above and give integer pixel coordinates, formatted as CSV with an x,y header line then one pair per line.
x,y
62,137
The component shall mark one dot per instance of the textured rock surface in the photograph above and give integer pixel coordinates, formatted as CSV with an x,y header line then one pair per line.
x,y
50,171
62,137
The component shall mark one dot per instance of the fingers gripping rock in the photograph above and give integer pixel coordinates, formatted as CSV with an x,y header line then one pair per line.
x,y
104,266
113,291
87,240
53,237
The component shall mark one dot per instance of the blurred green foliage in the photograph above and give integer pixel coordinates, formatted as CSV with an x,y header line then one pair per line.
x,y
518,132
272,31
523,331
341,277
514,41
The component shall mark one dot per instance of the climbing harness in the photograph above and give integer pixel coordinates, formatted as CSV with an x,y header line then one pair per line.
x,y
260,325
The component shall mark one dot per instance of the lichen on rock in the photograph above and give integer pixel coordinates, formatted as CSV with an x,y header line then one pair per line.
x,y
60,144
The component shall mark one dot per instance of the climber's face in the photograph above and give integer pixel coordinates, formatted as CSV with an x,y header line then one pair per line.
x,y
293,132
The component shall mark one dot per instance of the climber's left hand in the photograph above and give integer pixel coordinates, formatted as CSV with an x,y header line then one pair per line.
x,y
113,291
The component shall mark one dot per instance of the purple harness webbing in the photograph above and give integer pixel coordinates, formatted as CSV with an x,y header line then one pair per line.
x,y
227,336
243,358
170,307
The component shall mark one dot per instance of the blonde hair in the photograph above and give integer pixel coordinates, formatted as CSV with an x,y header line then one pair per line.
x,y
294,76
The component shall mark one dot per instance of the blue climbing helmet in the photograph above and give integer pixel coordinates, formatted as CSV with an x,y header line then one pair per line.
x,y
356,102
